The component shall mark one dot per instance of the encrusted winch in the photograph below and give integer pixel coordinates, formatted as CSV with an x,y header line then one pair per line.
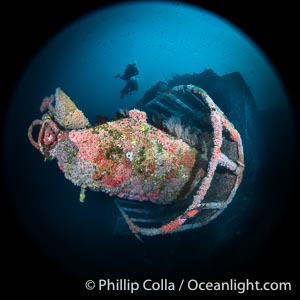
x,y
164,174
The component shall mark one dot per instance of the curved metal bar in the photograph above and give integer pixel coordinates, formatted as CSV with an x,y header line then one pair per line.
x,y
30,129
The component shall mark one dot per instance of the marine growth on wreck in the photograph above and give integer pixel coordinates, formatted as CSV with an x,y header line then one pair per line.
x,y
164,177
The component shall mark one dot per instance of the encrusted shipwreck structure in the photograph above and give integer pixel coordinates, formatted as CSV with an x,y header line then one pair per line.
x,y
164,176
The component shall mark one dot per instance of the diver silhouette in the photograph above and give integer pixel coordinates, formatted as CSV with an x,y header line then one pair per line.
x,y
131,81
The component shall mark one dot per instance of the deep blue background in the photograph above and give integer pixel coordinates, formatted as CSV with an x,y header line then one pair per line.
x,y
78,237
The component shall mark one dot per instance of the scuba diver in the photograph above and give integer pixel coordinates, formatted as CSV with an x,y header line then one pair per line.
x,y
131,81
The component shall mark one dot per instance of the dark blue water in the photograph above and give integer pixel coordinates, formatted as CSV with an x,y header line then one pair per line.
x,y
164,40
